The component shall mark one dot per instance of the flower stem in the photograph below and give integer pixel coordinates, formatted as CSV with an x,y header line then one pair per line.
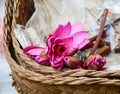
x,y
100,32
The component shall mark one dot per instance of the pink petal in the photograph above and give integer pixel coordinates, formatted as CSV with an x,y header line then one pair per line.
x,y
50,40
29,48
76,28
59,65
58,30
63,31
79,37
66,42
33,50
36,51
84,43
41,60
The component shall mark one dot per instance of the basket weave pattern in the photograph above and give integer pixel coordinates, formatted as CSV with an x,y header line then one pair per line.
x,y
32,78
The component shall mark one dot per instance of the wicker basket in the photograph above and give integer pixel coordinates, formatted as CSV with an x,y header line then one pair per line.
x,y
32,78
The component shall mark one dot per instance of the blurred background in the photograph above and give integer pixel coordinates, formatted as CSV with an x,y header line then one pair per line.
x,y
5,78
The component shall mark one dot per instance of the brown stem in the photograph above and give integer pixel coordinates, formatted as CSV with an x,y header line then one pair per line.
x,y
101,44
90,45
92,39
100,32
104,50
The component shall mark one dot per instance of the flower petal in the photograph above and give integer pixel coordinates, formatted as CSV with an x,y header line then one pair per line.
x,y
76,28
33,50
68,44
84,43
29,48
50,40
58,65
41,60
36,53
65,41
63,31
79,37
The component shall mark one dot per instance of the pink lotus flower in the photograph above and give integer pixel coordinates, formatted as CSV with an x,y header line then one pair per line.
x,y
73,62
36,53
64,42
95,62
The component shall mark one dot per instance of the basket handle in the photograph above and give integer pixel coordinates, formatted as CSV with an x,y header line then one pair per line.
x,y
8,20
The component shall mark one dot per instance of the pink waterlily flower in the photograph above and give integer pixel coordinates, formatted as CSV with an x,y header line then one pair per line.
x,y
95,62
36,53
66,40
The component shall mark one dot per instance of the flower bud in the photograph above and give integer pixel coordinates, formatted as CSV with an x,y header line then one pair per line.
x,y
73,62
95,62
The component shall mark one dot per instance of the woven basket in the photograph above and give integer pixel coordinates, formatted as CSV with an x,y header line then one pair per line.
x,y
32,78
